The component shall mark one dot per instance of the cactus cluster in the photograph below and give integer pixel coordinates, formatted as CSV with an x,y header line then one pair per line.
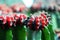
x,y
13,20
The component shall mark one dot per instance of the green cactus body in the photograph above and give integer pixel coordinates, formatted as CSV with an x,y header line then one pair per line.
x,y
2,34
53,19
19,33
45,34
29,34
51,31
38,35
8,34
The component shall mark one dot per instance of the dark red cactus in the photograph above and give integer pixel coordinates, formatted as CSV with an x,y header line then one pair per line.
x,y
44,19
34,23
22,17
30,22
12,18
15,8
6,10
43,15
36,6
9,20
37,22
21,8
43,22
16,17
18,8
